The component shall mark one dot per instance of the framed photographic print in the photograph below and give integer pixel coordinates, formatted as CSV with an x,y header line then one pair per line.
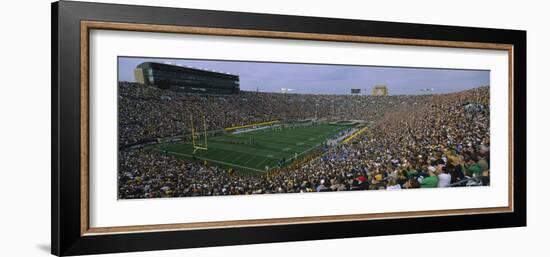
x,y
178,128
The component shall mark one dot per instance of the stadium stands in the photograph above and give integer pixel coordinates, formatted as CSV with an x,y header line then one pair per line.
x,y
410,142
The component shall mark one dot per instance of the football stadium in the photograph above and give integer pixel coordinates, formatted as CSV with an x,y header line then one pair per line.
x,y
260,148
186,132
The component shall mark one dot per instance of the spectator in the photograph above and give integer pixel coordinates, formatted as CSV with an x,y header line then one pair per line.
x,y
443,140
430,180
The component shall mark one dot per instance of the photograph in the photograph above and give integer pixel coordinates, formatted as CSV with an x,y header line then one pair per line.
x,y
177,127
201,127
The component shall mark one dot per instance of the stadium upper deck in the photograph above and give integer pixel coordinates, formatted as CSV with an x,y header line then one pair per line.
x,y
186,79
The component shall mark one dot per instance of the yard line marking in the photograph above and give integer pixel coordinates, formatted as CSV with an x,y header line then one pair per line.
x,y
260,164
225,157
215,161
239,157
304,152
253,157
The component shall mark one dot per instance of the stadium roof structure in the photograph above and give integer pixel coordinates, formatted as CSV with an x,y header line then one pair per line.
x,y
186,79
177,67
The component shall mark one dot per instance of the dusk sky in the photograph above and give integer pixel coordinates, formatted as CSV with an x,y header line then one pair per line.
x,y
326,78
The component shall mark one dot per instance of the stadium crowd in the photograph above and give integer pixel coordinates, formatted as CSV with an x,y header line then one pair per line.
x,y
147,113
424,141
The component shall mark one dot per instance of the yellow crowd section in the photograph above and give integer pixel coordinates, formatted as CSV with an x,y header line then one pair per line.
x,y
355,135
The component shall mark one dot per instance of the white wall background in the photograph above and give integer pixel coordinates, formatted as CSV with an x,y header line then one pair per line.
x,y
25,125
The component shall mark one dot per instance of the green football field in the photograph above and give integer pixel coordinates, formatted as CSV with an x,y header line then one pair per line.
x,y
256,150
